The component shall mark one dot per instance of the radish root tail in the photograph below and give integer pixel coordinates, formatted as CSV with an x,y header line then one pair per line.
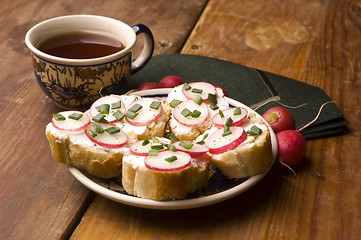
x,y
315,119
282,104
284,164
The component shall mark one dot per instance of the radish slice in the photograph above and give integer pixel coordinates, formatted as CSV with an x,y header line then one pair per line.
x,y
69,124
109,99
218,144
138,149
115,140
195,150
146,115
229,113
159,163
206,89
191,106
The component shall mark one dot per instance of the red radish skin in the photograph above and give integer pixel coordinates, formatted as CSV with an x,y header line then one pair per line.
x,y
195,151
71,125
280,119
170,81
218,144
139,150
148,85
146,115
237,119
106,140
109,99
291,147
206,89
190,121
158,163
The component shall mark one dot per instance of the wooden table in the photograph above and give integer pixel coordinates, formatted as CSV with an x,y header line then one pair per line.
x,y
314,41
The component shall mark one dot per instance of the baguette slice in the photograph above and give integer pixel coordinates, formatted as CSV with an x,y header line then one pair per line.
x,y
190,133
251,157
140,181
154,129
74,148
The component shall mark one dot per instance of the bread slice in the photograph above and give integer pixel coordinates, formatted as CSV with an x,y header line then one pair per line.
x,y
140,181
190,133
251,157
155,129
74,148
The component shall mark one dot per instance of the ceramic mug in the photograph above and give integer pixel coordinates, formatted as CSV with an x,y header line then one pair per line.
x,y
76,83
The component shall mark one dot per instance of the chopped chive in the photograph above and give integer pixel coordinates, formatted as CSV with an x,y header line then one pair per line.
x,y
187,87
173,138
201,142
153,152
155,105
203,138
92,133
155,140
198,99
237,111
213,106
99,117
254,131
75,116
58,117
229,122
118,115
104,108
135,108
116,105
171,159
221,113
186,145
112,130
197,90
174,103
196,113
98,128
130,114
185,112
145,142
157,147
226,133
172,147
212,98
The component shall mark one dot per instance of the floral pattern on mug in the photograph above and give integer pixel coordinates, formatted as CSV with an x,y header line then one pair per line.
x,y
76,86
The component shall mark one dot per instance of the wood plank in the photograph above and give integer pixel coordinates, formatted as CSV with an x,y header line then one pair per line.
x,y
313,41
39,198
269,35
322,199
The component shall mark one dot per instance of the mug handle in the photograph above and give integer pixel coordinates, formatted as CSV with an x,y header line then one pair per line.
x,y
148,48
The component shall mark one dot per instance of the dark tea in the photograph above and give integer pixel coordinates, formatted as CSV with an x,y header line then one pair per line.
x,y
81,45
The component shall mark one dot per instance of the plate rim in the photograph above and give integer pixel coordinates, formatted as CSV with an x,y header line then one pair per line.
x,y
177,204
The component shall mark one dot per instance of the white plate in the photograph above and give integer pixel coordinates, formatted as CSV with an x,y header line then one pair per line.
x,y
219,188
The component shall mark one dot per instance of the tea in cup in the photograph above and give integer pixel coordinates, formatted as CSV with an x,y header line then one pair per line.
x,y
79,58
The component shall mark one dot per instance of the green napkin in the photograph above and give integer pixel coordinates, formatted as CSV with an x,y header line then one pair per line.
x,y
254,88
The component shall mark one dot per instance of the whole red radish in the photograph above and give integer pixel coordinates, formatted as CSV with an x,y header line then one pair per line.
x,y
170,81
148,85
280,119
291,147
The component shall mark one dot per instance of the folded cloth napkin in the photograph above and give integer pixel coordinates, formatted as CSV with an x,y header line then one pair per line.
x,y
257,89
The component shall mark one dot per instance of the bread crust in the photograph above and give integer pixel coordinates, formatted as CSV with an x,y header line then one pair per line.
x,y
143,182
249,158
99,162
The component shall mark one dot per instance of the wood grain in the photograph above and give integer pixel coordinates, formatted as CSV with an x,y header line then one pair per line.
x,y
313,41
39,199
